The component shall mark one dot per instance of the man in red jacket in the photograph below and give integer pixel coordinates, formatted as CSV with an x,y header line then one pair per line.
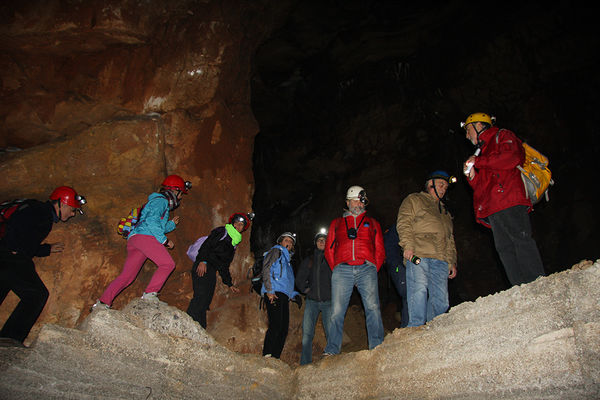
x,y
499,196
354,251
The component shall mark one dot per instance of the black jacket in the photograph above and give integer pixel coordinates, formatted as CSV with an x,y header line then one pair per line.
x,y
314,277
217,252
28,227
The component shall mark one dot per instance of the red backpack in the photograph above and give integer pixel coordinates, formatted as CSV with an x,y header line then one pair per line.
x,y
7,209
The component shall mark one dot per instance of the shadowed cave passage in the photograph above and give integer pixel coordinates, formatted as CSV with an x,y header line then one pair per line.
x,y
371,93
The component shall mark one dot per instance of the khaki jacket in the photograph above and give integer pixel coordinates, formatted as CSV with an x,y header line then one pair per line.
x,y
426,231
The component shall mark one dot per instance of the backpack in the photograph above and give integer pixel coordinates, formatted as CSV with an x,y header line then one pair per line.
x,y
7,209
194,248
126,224
535,174
255,275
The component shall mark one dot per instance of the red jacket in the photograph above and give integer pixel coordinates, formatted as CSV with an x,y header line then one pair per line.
x,y
368,245
497,184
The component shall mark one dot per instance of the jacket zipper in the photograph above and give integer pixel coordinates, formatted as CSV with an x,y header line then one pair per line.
x,y
353,255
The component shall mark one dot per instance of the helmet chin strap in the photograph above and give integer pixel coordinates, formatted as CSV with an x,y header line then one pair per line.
x,y
441,199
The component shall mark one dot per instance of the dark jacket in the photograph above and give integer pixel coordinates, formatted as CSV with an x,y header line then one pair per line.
x,y
217,252
28,227
314,277
391,243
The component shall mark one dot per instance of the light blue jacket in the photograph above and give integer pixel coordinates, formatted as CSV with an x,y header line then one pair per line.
x,y
154,220
278,275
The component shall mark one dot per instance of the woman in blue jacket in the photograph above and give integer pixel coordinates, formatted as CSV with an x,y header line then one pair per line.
x,y
278,289
148,240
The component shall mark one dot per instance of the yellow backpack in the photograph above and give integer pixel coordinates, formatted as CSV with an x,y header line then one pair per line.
x,y
535,174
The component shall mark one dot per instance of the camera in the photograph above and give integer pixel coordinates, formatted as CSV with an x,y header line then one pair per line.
x,y
352,233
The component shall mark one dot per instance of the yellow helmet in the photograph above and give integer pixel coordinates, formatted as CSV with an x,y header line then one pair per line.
x,y
478,117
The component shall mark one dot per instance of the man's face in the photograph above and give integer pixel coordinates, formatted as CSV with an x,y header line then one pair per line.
x,y
441,186
288,243
321,243
355,206
66,212
472,132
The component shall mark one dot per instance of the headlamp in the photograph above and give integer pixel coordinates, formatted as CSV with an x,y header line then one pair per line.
x,y
362,196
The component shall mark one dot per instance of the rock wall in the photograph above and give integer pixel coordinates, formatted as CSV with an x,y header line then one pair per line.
x,y
536,341
109,98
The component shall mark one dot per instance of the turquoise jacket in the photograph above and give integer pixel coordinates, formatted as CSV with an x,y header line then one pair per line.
x,y
278,275
154,220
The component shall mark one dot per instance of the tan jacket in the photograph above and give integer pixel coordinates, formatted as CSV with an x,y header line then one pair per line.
x,y
426,231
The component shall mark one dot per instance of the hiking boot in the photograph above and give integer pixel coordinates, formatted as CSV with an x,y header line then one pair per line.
x,y
152,297
99,306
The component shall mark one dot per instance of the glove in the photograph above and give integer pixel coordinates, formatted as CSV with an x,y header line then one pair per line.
x,y
298,300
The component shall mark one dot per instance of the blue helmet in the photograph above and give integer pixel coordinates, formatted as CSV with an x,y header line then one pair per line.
x,y
441,175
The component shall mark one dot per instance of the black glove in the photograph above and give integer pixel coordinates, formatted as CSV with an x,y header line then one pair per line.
x,y
298,300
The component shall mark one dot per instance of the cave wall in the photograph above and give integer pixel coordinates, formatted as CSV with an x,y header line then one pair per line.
x,y
110,97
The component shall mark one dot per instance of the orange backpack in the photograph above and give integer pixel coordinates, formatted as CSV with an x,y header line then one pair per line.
x,y
535,174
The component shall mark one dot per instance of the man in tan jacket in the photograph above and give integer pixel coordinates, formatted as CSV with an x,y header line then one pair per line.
x,y
426,234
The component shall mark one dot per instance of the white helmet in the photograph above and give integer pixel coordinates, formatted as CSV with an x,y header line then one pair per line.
x,y
357,193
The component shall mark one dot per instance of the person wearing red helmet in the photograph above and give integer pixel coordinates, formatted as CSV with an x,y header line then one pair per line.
x,y
25,231
148,240
215,254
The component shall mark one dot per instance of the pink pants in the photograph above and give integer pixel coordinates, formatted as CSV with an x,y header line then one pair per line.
x,y
139,248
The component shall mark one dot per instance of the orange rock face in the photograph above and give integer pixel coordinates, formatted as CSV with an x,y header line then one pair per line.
x,y
110,100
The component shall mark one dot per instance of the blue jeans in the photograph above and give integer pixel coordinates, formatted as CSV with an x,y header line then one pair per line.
x,y
311,315
343,280
427,289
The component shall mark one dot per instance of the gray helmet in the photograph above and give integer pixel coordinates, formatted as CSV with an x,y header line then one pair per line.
x,y
322,233
287,234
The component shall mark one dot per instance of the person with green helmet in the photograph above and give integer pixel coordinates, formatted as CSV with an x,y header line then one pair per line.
x,y
426,235
499,198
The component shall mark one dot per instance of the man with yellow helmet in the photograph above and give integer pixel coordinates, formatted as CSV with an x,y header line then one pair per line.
x,y
499,198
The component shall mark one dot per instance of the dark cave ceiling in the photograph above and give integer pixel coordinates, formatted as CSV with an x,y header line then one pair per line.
x,y
371,93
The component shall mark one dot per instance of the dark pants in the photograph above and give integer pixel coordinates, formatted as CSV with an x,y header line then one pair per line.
x,y
204,289
515,245
279,321
398,277
17,273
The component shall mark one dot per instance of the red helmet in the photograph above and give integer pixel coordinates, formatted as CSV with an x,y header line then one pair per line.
x,y
67,195
176,182
245,218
